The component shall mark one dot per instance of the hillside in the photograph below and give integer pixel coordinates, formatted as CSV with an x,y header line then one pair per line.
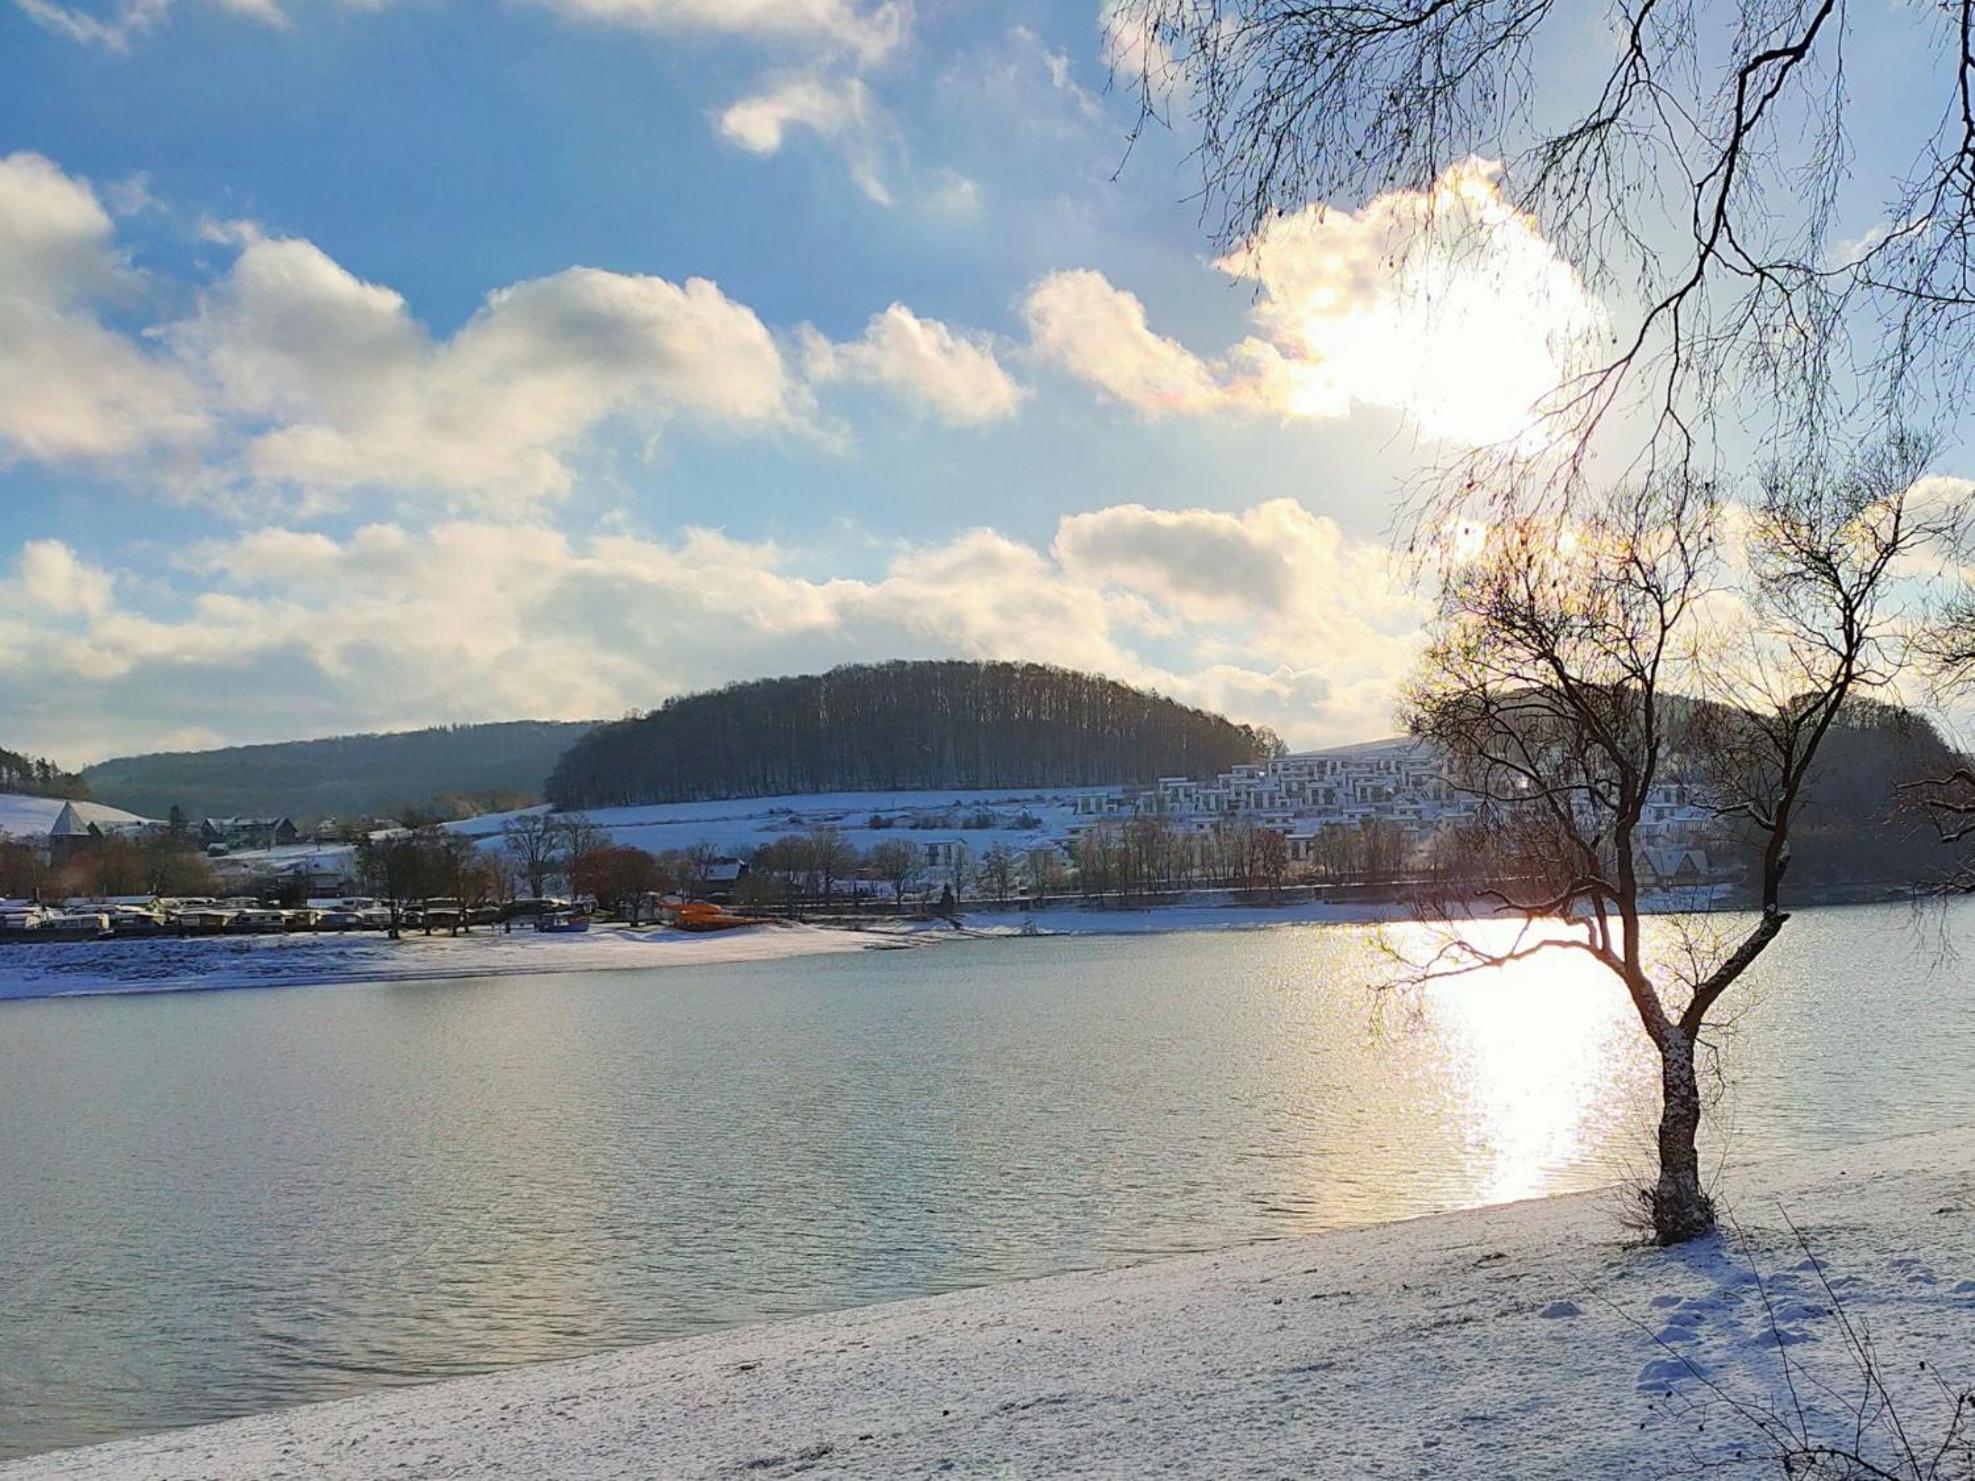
x,y
900,726
35,776
341,776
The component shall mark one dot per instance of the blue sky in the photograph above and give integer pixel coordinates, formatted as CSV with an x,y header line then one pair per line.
x,y
372,365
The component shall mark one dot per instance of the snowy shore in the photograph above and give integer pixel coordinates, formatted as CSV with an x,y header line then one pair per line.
x,y
171,964
1529,1340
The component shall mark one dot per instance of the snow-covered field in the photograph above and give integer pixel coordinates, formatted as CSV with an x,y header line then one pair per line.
x,y
1534,1340
741,824
31,817
169,964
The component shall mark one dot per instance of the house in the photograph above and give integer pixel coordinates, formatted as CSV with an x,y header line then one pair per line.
x,y
248,833
68,835
944,855
722,877
1676,868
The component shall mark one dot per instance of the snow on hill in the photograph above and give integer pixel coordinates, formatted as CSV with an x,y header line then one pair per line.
x,y
740,824
31,817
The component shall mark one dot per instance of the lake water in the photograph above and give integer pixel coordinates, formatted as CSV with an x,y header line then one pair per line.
x,y
217,1203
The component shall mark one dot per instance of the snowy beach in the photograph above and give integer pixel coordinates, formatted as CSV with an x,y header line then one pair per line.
x,y
203,963
169,964
1533,1340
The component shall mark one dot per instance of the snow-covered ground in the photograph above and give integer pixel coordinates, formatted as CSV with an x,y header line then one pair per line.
x,y
1534,1340
170,964
31,817
743,823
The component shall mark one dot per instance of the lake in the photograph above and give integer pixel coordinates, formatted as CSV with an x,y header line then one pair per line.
x,y
217,1203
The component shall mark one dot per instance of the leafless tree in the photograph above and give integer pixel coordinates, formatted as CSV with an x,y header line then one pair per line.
x,y
1000,866
1578,665
831,857
533,842
896,862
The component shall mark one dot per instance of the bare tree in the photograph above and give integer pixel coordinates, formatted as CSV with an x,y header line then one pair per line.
x,y
534,843
896,862
1576,668
577,838
398,869
831,858
1000,865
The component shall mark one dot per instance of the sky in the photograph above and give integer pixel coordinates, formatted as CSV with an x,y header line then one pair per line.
x,y
368,364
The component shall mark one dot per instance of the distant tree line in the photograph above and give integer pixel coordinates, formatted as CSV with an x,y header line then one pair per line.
x,y
900,726
344,776
37,776
107,864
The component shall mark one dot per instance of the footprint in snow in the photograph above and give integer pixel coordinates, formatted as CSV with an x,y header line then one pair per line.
x,y
1661,1372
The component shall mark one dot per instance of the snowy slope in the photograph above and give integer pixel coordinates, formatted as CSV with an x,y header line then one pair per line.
x,y
26,817
1532,1340
740,824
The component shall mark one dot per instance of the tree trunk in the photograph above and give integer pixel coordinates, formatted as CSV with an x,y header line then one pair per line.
x,y
1682,1209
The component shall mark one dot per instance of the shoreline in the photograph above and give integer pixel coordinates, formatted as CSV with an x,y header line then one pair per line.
x,y
31,972
1535,1339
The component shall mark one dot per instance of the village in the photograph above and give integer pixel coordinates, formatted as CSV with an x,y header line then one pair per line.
x,y
1380,817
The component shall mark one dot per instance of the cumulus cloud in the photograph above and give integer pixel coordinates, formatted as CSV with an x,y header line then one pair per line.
x,y
840,111
295,376
53,579
1447,305
1099,333
347,390
491,413
70,386
951,374
291,630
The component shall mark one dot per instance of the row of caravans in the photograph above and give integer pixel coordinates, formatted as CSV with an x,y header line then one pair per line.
x,y
104,919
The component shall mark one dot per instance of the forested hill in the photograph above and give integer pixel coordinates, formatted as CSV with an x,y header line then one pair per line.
x,y
37,777
345,776
900,726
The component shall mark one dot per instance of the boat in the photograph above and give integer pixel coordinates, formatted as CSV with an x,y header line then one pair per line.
x,y
701,915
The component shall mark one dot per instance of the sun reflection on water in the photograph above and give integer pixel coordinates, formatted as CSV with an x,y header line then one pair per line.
x,y
1545,1062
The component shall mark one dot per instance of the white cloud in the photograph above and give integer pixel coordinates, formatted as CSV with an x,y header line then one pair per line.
x,y
951,374
114,31
1286,622
53,579
70,387
953,195
1446,305
839,111
345,390
1129,47
1099,333
866,32
295,377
